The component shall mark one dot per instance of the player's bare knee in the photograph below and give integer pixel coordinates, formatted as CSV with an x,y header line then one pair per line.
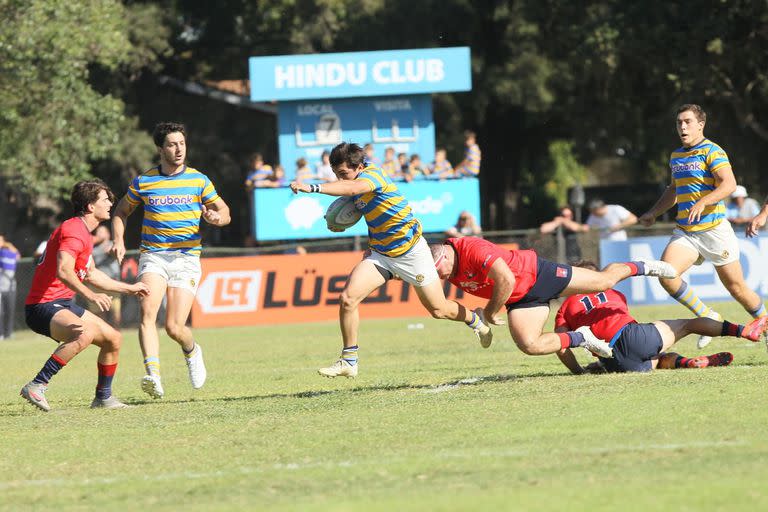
x,y
115,340
174,329
527,346
82,338
669,285
438,312
348,302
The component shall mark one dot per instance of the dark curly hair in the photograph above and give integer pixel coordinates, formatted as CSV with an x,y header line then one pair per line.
x,y
163,129
85,193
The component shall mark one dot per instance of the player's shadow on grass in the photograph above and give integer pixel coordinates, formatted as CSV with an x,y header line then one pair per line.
x,y
425,388
471,381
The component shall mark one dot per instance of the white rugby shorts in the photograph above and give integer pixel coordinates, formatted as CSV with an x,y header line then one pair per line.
x,y
416,267
718,245
180,270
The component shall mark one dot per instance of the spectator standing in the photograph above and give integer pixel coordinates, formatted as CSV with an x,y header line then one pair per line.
x,y
323,170
470,166
466,225
742,209
441,168
259,173
610,219
9,256
103,260
570,228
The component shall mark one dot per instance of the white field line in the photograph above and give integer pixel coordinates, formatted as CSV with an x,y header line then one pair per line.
x,y
298,466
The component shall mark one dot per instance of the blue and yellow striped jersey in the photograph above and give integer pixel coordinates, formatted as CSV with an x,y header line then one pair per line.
x,y
172,209
472,156
693,174
442,167
390,167
392,228
258,175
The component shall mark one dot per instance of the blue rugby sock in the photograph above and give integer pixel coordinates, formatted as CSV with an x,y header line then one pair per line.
x,y
50,368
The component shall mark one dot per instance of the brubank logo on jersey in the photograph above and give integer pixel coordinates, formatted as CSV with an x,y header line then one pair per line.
x,y
303,212
689,166
171,200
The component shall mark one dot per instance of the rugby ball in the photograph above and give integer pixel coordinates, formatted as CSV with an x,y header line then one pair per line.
x,y
342,213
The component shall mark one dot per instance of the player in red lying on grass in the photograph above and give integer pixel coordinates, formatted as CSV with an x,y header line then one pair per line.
x,y
642,347
525,283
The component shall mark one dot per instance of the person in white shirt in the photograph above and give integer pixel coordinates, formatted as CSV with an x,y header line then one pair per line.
x,y
323,169
742,209
610,219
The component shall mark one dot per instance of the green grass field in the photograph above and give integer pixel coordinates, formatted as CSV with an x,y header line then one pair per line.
x,y
267,433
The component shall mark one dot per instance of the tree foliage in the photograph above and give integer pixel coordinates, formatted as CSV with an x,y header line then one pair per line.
x,y
55,121
602,76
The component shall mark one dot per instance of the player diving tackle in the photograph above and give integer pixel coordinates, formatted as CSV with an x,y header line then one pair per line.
x,y
524,283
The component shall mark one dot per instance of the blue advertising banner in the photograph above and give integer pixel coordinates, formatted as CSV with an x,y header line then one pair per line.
x,y
702,277
307,128
279,214
355,74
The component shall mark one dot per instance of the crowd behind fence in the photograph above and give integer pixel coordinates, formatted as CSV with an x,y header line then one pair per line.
x,y
549,246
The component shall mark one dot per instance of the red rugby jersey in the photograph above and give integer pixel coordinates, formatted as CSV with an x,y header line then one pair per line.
x,y
71,236
474,258
605,313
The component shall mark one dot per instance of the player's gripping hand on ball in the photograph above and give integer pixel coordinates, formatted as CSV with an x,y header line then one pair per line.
x,y
335,229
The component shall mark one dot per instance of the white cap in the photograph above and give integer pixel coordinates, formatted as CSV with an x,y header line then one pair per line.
x,y
739,192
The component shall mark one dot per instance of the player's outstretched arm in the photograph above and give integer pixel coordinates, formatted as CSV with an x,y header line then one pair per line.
x,y
666,201
65,271
102,281
336,188
217,213
122,211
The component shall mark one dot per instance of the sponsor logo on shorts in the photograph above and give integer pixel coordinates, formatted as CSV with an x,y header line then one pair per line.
x,y
725,254
420,278
561,272
192,283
